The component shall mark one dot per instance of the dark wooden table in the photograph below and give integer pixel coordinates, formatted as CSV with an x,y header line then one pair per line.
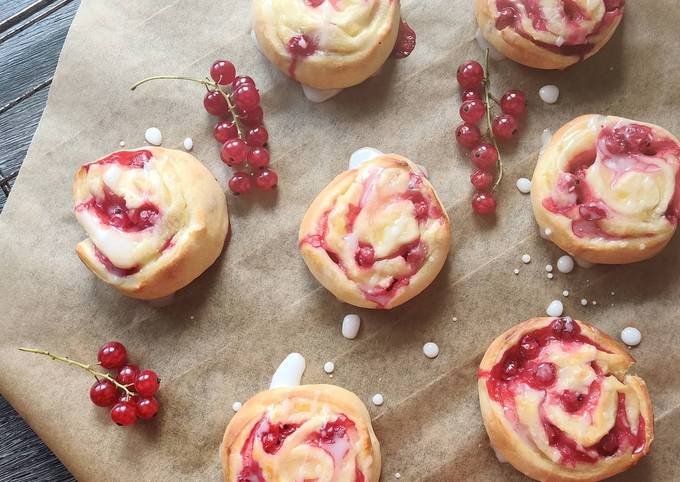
x,y
32,33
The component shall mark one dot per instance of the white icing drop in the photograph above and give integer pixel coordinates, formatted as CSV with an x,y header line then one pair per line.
x,y
631,336
484,44
549,94
523,185
153,136
121,143
546,135
350,326
526,259
378,399
329,367
582,263
188,144
289,373
548,268
516,271
584,302
318,95
550,276
565,264
555,308
430,349
162,302
362,155
236,406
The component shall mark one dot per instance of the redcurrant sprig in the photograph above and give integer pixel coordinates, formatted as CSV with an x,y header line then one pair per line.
x,y
236,101
472,77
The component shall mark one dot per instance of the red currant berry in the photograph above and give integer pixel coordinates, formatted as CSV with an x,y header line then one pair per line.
x,y
258,158
103,393
253,118
234,151
470,95
146,383
124,413
514,102
225,130
147,408
242,80
257,136
472,111
240,183
484,156
112,355
266,179
223,72
127,374
246,98
470,74
215,104
505,126
483,203
481,179
468,135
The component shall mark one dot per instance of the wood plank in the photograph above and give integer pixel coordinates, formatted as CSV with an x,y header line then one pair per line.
x,y
24,457
30,57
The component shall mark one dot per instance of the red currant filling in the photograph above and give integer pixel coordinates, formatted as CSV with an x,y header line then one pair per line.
x,y
113,211
131,159
406,41
275,435
300,46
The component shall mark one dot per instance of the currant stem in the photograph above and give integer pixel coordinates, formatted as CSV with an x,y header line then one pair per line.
x,y
234,114
487,96
84,366
173,77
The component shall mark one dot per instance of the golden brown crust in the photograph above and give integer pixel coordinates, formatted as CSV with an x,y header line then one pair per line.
x,y
522,454
330,400
330,70
199,241
333,278
633,249
521,50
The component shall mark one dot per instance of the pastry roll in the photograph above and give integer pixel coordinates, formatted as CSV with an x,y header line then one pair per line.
x,y
327,44
303,433
548,34
155,219
376,236
606,189
559,404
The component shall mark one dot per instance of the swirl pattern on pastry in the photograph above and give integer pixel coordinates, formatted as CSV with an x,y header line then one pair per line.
x,y
548,34
377,235
327,44
609,189
558,403
310,432
155,219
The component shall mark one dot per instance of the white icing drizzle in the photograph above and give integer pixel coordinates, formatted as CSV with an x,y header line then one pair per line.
x,y
631,336
289,373
188,144
430,349
555,308
549,94
378,399
362,155
582,263
350,326
565,264
153,136
523,185
318,95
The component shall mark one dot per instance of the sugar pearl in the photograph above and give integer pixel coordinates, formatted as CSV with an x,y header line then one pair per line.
x,y
550,276
188,144
516,271
631,336
565,264
430,349
523,185
350,326
397,475
548,268
153,136
555,308
549,94
526,259
584,302
236,406
378,399
565,293
122,144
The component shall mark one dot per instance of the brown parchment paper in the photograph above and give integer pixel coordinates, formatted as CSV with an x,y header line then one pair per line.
x,y
222,338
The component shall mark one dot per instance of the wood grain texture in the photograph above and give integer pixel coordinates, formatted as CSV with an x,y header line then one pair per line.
x,y
27,62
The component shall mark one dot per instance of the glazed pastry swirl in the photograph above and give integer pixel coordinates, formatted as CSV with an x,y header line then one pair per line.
x,y
320,42
143,216
377,235
560,390
608,188
549,33
312,432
